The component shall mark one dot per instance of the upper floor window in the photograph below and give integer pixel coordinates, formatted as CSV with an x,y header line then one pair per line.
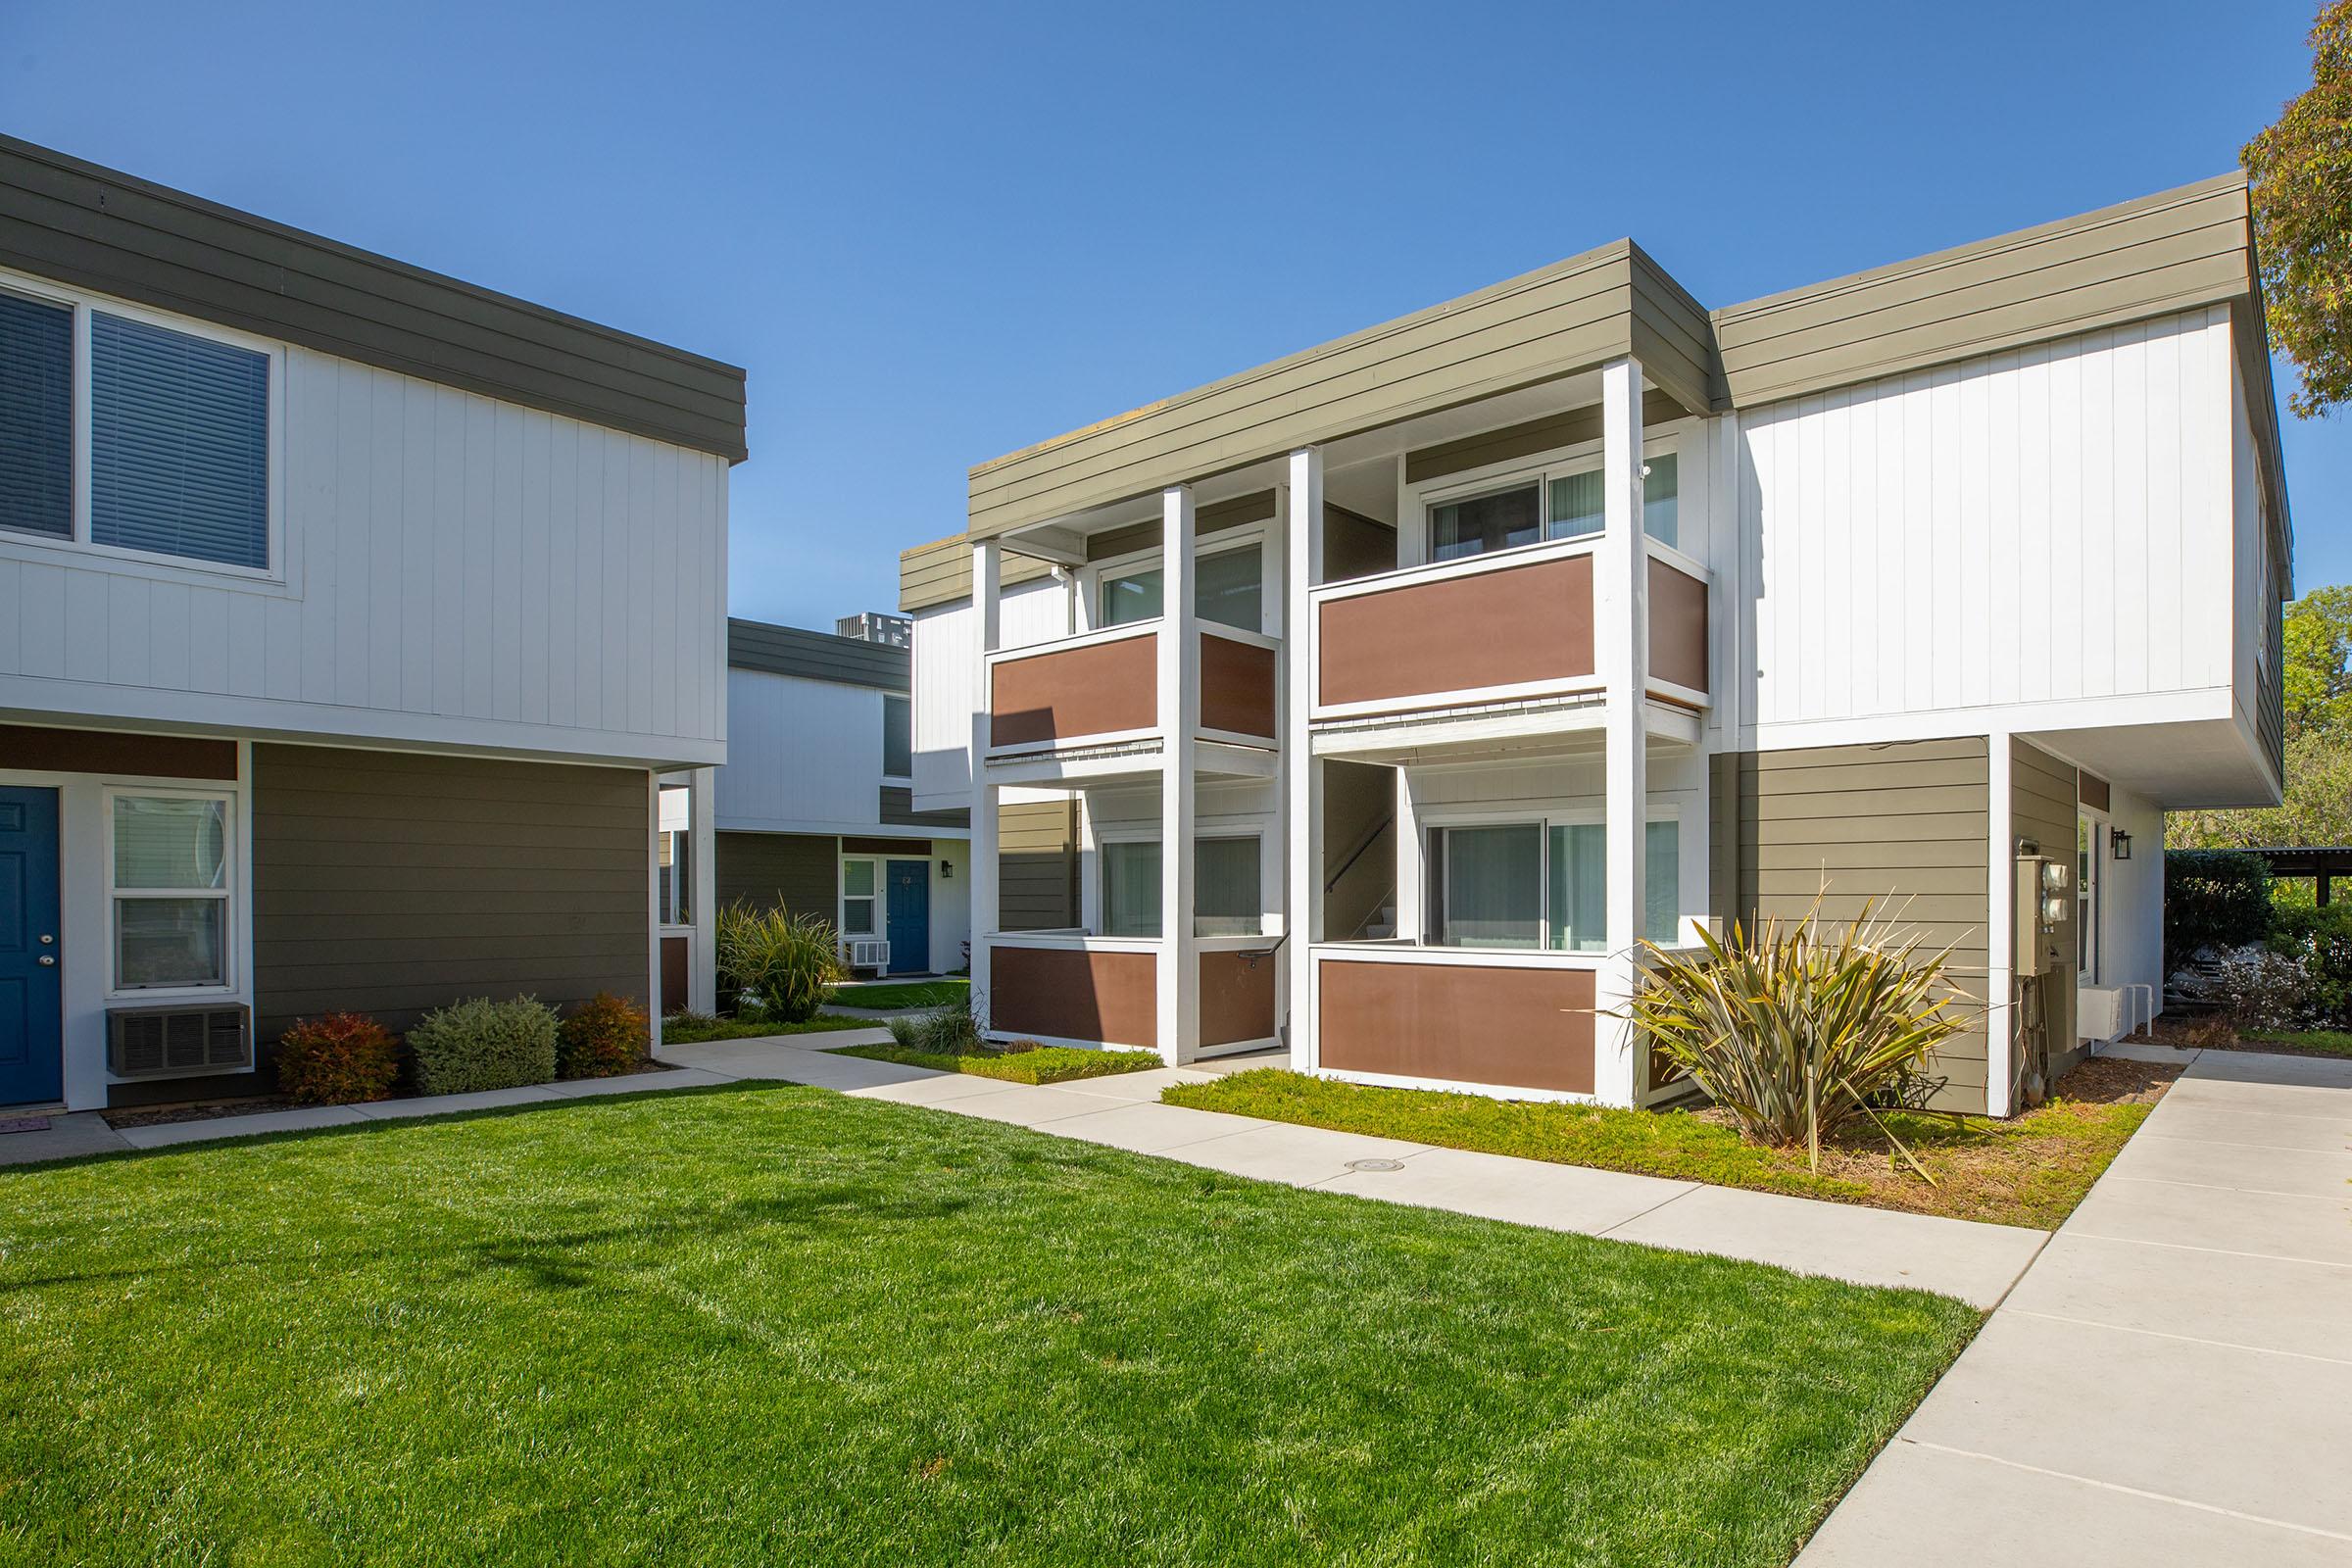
x,y
1566,502
897,737
1228,588
177,430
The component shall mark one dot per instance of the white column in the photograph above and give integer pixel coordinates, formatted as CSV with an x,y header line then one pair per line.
x,y
702,874
1620,616
1302,775
2000,936
1179,722
988,575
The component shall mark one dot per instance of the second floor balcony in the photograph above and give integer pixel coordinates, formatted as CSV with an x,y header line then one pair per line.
x,y
1091,707
1510,633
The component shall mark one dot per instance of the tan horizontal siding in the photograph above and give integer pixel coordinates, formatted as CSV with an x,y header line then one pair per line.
x,y
1553,432
1037,866
1566,317
1898,831
941,573
391,883
2144,258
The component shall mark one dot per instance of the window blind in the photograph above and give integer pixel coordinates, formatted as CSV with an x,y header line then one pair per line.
x,y
179,444
37,416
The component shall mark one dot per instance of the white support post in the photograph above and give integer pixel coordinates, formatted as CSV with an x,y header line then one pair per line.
x,y
1179,720
988,578
1621,613
1301,775
702,874
2000,937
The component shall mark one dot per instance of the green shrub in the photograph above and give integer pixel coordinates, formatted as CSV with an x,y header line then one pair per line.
x,y
779,965
603,1036
339,1059
948,1031
480,1044
1797,1030
2320,940
2213,898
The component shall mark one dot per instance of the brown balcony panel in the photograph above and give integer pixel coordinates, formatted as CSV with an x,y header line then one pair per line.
x,y
1065,994
1463,1023
1237,997
1100,689
1677,626
1236,686
1506,628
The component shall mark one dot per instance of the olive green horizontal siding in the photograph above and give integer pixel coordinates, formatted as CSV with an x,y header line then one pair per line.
x,y
1566,317
2151,257
1903,831
1037,866
1511,442
76,222
941,573
389,883
798,872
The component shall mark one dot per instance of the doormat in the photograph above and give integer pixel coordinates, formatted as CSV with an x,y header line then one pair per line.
x,y
25,1124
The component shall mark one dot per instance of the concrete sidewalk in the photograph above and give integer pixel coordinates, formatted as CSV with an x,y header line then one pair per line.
x,y
1977,1263
2172,1380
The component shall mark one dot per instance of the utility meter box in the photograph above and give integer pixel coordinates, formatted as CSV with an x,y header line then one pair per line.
x,y
2044,907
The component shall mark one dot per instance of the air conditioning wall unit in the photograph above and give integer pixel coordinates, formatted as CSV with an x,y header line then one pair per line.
x,y
160,1042
869,953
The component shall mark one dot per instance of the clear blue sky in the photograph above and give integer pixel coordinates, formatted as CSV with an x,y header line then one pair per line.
x,y
934,234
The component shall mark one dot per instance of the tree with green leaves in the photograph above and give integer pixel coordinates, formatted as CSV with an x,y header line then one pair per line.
x,y
2318,639
2300,171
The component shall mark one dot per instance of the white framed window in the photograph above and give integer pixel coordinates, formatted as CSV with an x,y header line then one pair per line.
x,y
1228,893
673,851
139,436
860,896
1560,499
171,880
1541,882
1229,583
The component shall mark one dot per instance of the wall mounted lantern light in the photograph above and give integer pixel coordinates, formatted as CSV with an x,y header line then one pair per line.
x,y
2118,843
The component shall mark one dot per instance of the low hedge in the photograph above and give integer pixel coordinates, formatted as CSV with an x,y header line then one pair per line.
x,y
605,1035
480,1044
2214,898
339,1059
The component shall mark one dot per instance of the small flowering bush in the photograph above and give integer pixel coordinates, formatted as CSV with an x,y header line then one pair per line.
x,y
2260,989
605,1035
338,1059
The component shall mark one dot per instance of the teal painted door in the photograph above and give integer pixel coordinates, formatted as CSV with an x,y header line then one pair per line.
x,y
910,927
31,1019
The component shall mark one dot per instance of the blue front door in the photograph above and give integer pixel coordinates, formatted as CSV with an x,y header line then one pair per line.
x,y
31,1022
910,929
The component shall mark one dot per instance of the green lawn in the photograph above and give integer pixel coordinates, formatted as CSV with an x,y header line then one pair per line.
x,y
892,993
2030,1171
686,1029
2329,1042
1048,1064
771,1324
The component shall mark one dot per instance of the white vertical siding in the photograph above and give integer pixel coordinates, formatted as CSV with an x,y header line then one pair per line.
x,y
806,756
2048,524
455,571
946,644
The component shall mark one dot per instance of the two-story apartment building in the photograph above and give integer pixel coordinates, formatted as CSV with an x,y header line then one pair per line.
x,y
813,810
349,616
1394,692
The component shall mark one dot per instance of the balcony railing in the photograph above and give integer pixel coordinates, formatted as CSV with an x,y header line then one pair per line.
x,y
1103,687
1067,987
1510,626
1465,1016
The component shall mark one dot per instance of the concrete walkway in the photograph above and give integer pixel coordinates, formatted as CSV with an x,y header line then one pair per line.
x,y
1977,1263
2172,1380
